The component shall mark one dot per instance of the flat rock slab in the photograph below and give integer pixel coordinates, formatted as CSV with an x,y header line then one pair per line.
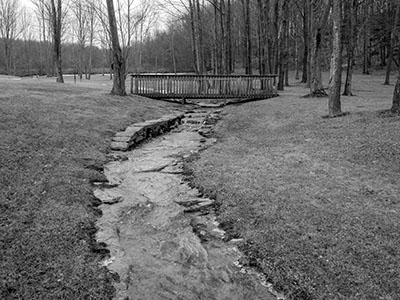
x,y
134,134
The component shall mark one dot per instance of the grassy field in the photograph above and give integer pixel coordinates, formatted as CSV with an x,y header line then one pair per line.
x,y
316,200
53,142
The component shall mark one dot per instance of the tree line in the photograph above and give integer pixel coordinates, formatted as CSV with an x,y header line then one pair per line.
x,y
204,36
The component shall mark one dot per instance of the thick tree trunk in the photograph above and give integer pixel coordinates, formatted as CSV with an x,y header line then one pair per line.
x,y
306,27
118,59
396,97
57,24
283,46
336,62
7,54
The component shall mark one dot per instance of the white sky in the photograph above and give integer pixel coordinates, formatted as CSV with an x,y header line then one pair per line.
x,y
26,3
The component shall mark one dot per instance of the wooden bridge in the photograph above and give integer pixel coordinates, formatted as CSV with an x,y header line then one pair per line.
x,y
204,86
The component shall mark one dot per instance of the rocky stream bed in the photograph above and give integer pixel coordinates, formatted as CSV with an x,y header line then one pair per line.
x,y
163,238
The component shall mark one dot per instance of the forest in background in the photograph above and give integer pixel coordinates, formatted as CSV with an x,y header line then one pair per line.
x,y
214,36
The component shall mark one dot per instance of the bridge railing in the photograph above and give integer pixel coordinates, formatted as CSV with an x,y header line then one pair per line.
x,y
204,86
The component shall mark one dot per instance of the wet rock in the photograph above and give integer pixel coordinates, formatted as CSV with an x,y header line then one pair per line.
x,y
112,201
125,139
116,156
107,196
201,206
206,132
119,146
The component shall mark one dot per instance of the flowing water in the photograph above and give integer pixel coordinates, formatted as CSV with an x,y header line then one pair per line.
x,y
162,243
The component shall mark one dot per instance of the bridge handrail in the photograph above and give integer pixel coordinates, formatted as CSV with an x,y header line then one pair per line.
x,y
204,86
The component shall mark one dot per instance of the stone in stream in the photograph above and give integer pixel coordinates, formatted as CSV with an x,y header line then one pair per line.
x,y
197,205
137,132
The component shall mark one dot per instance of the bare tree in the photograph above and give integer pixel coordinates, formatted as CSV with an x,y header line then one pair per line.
x,y
197,35
350,7
9,12
42,11
306,41
56,17
247,54
262,32
318,25
81,24
92,25
118,59
283,45
336,62
391,44
27,34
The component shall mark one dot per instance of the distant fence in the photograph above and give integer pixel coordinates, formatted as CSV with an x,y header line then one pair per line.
x,y
204,86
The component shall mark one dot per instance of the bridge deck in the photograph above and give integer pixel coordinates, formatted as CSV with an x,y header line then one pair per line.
x,y
204,86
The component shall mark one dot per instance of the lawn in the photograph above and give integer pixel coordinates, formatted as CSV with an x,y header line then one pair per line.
x,y
316,200
53,142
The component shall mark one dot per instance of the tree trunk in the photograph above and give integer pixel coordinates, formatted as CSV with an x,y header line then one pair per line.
x,y
317,31
57,24
263,9
197,36
228,44
223,36
247,37
118,62
275,36
296,54
199,27
336,62
396,97
391,45
194,40
351,45
306,27
366,60
217,40
283,47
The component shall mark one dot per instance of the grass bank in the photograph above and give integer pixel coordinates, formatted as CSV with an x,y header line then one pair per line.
x,y
54,140
316,200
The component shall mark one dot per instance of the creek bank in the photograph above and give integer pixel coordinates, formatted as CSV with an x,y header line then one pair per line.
x,y
163,238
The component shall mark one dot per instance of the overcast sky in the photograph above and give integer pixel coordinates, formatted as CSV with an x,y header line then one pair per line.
x,y
27,3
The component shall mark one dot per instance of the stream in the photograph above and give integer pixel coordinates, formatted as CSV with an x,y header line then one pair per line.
x,y
155,226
